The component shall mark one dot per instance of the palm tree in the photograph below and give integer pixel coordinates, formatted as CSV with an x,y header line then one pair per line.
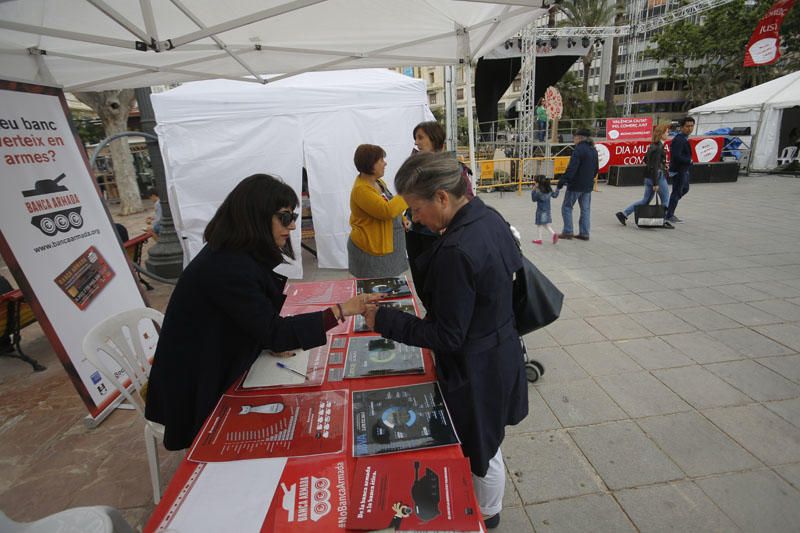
x,y
586,13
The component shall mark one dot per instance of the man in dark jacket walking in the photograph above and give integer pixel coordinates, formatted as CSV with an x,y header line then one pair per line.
x,y
680,162
579,179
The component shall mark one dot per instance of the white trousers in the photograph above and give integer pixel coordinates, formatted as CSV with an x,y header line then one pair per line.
x,y
489,489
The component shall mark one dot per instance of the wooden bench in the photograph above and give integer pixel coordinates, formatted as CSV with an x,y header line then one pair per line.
x,y
16,314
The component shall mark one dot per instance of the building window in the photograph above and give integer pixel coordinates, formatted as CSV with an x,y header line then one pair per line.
x,y
431,78
516,85
461,112
432,98
460,93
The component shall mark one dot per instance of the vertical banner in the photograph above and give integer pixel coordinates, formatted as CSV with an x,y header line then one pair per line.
x,y
56,235
765,43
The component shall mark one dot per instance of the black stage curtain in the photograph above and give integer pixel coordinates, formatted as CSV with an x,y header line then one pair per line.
x,y
494,76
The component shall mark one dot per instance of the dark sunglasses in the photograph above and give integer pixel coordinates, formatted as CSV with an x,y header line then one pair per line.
x,y
286,218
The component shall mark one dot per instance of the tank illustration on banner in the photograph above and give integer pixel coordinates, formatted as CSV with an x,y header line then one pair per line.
x,y
53,207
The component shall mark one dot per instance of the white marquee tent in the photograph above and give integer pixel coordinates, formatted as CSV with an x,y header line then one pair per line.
x,y
92,45
761,108
214,133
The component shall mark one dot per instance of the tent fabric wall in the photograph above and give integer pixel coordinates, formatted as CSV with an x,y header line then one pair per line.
x,y
760,107
215,133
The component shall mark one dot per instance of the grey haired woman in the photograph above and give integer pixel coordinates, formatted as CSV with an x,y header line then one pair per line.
x,y
470,321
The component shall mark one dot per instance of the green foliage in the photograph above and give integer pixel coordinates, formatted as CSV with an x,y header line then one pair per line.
x,y
90,130
586,13
573,97
709,56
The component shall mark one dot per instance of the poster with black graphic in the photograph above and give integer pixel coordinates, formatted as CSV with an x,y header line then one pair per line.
x,y
406,305
400,418
376,356
387,287
56,234
410,494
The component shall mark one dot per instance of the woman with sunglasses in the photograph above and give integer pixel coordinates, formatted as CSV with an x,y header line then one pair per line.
x,y
225,309
376,247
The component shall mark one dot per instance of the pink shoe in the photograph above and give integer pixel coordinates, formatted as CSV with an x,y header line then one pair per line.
x,y
537,241
555,238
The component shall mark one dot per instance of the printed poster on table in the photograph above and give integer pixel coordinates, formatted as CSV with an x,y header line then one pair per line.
x,y
400,418
56,235
319,292
274,425
376,356
406,494
269,495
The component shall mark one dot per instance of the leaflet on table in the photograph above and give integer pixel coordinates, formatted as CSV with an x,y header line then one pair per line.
x,y
306,368
269,495
413,495
299,309
400,418
272,425
319,292
389,287
406,305
312,497
376,356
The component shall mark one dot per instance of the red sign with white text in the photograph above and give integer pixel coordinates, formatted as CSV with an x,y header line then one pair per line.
x,y
764,47
276,425
622,129
704,150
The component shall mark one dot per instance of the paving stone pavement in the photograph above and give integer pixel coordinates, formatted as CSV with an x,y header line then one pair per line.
x,y
670,401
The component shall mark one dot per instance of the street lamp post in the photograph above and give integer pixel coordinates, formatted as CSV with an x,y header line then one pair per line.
x,y
165,257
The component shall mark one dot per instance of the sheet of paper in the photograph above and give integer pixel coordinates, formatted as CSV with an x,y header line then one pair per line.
x,y
242,506
266,373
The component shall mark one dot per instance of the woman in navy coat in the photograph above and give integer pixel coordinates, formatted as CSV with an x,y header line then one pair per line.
x,y
225,309
470,322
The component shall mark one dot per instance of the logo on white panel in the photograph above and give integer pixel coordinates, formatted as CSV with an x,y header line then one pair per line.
x,y
307,499
764,50
53,207
613,134
603,155
706,150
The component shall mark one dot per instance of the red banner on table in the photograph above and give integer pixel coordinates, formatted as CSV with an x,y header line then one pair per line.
x,y
625,128
704,150
764,47
275,425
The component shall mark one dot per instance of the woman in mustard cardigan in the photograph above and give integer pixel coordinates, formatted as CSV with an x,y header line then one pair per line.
x,y
376,247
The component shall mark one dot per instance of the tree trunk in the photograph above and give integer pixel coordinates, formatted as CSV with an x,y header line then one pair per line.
x,y
113,108
619,20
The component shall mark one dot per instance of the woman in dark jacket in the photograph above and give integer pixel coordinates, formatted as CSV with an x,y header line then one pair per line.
x,y
470,321
655,175
224,309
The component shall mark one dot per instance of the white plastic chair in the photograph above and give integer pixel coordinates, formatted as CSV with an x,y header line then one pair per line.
x,y
128,352
97,519
787,155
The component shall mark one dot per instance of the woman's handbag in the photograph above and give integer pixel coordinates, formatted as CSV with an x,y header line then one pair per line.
x,y
536,301
650,215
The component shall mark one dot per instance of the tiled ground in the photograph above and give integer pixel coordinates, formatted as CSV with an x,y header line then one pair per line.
x,y
671,398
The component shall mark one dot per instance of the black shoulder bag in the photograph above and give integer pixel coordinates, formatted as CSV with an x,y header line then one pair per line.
x,y
536,300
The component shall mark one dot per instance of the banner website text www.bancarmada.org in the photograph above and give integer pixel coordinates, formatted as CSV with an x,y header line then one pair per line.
x,y
65,240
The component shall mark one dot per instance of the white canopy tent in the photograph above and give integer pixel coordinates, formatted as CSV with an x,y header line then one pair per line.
x,y
92,45
761,108
214,133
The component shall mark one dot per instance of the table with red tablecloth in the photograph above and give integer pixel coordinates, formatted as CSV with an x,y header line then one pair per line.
x,y
329,472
